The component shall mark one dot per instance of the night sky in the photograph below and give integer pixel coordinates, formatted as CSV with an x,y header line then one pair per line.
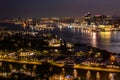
x,y
57,8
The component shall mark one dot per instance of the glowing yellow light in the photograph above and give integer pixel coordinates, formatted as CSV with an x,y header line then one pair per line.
x,y
106,35
112,58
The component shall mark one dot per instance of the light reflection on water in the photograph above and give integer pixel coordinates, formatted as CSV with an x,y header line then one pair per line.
x,y
75,73
97,76
57,73
88,74
94,41
85,75
105,40
111,76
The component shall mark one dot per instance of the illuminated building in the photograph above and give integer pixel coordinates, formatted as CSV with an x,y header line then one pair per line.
x,y
87,18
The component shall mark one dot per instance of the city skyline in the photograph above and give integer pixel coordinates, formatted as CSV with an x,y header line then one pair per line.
x,y
57,8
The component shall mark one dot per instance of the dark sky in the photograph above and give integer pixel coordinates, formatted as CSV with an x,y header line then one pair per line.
x,y
58,8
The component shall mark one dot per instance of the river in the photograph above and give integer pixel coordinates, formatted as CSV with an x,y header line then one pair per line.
x,y
109,41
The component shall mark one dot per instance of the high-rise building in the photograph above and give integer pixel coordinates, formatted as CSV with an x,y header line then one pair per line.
x,y
87,18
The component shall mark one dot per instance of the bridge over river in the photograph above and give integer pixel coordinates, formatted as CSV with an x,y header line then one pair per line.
x,y
33,68
78,66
